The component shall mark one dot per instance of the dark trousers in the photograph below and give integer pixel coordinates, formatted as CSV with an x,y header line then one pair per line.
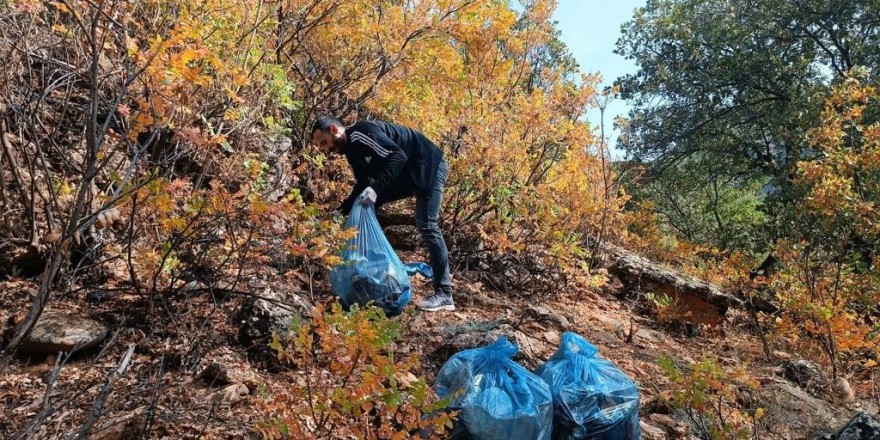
x,y
427,220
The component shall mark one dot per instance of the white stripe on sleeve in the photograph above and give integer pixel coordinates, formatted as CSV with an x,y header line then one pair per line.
x,y
368,141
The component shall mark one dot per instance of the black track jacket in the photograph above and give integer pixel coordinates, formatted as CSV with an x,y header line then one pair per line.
x,y
384,155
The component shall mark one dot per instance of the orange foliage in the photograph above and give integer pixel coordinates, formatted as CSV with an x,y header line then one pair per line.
x,y
828,284
353,385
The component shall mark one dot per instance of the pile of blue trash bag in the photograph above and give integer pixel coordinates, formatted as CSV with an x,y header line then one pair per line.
x,y
497,398
574,395
370,272
592,398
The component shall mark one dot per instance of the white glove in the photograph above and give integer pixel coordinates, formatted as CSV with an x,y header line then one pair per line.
x,y
368,196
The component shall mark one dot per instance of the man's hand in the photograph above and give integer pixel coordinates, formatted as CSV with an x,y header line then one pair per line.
x,y
368,196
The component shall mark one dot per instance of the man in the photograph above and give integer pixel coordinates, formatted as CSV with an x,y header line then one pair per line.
x,y
391,162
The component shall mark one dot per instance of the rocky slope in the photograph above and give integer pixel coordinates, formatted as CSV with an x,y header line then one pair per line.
x,y
199,364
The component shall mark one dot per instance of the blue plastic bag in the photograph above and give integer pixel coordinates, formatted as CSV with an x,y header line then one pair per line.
x,y
498,398
370,270
592,398
421,269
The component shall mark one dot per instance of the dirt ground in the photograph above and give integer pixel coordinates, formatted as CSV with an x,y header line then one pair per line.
x,y
162,391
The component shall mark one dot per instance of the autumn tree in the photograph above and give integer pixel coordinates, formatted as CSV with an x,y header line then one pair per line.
x,y
492,85
829,285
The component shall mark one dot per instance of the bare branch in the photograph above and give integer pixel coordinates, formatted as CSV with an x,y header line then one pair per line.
x,y
98,408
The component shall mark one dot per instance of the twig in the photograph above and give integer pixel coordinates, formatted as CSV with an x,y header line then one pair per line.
x,y
3,197
107,345
98,408
47,409
760,328
631,334
150,413
37,306
602,104
13,168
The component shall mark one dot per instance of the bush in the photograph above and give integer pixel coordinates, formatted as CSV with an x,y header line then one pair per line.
x,y
348,382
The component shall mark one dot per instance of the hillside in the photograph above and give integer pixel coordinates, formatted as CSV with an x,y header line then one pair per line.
x,y
169,390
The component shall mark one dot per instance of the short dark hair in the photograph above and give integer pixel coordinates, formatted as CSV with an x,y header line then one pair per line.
x,y
324,122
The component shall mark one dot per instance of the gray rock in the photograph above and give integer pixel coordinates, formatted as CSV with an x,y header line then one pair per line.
x,y
602,337
273,148
261,316
842,391
651,432
224,367
129,425
472,334
608,322
531,349
650,276
790,412
218,372
543,314
804,374
229,395
862,427
476,334
613,286
676,428
57,331
271,310
649,335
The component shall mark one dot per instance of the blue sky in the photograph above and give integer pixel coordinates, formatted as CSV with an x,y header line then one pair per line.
x,y
590,29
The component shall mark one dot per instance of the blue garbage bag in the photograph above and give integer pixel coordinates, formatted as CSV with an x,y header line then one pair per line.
x,y
498,398
592,398
370,272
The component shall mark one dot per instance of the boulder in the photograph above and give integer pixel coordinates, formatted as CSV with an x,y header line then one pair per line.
x,y
677,429
542,314
651,432
270,310
861,427
57,331
842,391
475,334
229,395
698,301
534,345
650,336
791,412
804,374
224,367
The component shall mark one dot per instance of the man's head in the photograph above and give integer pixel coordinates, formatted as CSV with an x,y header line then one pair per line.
x,y
329,135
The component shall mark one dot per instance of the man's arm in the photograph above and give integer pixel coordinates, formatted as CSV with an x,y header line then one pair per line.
x,y
391,155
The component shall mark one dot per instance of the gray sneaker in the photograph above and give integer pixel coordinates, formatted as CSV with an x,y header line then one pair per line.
x,y
440,300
